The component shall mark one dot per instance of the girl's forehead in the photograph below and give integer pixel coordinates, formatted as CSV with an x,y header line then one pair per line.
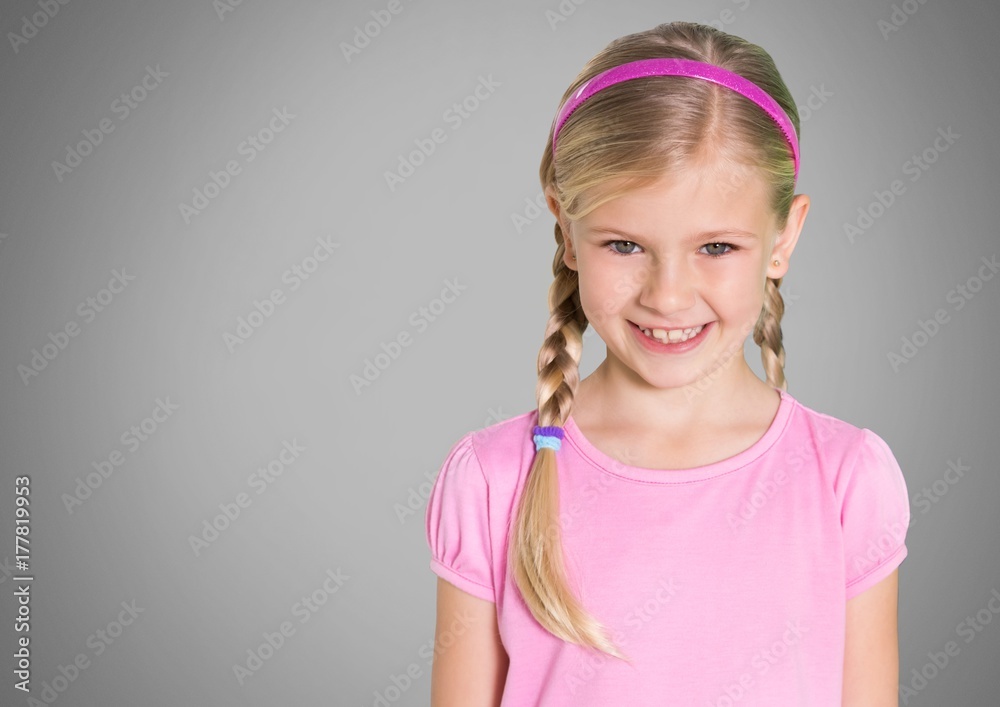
x,y
709,198
707,174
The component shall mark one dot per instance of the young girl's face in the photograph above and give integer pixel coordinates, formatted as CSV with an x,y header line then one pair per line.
x,y
686,252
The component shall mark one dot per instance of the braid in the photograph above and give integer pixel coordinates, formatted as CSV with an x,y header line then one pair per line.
x,y
536,552
767,335
559,358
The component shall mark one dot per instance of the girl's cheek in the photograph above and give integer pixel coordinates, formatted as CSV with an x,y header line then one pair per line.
x,y
599,308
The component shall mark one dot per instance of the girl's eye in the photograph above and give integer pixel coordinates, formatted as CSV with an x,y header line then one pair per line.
x,y
612,244
715,250
718,253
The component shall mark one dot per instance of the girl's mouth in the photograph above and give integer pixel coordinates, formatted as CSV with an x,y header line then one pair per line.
x,y
675,341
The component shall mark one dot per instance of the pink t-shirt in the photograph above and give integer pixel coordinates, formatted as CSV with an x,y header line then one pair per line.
x,y
725,583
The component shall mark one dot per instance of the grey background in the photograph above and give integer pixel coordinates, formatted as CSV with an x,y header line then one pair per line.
x,y
337,506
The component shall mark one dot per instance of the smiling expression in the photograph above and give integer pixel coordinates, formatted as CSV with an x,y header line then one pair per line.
x,y
673,256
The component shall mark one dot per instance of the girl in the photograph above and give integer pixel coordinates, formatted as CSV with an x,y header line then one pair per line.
x,y
670,530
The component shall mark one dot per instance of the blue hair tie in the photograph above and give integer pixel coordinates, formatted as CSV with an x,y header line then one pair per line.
x,y
548,437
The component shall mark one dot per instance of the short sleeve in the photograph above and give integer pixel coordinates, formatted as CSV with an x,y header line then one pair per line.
x,y
457,523
875,515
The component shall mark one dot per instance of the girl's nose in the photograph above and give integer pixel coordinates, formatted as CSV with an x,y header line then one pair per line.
x,y
668,287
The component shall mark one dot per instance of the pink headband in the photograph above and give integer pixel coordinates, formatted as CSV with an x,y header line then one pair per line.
x,y
680,67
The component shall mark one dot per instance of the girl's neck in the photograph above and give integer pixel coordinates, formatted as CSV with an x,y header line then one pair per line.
x,y
657,428
731,398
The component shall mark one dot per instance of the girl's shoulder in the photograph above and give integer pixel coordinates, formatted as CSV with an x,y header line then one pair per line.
x,y
501,439
502,451
837,443
491,459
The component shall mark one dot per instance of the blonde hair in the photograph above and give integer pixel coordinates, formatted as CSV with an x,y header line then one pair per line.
x,y
630,134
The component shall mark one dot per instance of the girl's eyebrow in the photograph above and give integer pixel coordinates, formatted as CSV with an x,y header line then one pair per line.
x,y
730,232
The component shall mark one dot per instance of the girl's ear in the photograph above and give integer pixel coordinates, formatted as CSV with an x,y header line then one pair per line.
x,y
553,204
786,239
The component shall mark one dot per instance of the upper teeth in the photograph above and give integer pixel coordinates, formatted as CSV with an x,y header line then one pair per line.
x,y
673,335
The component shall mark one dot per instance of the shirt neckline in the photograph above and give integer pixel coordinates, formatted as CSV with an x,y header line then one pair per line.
x,y
614,467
